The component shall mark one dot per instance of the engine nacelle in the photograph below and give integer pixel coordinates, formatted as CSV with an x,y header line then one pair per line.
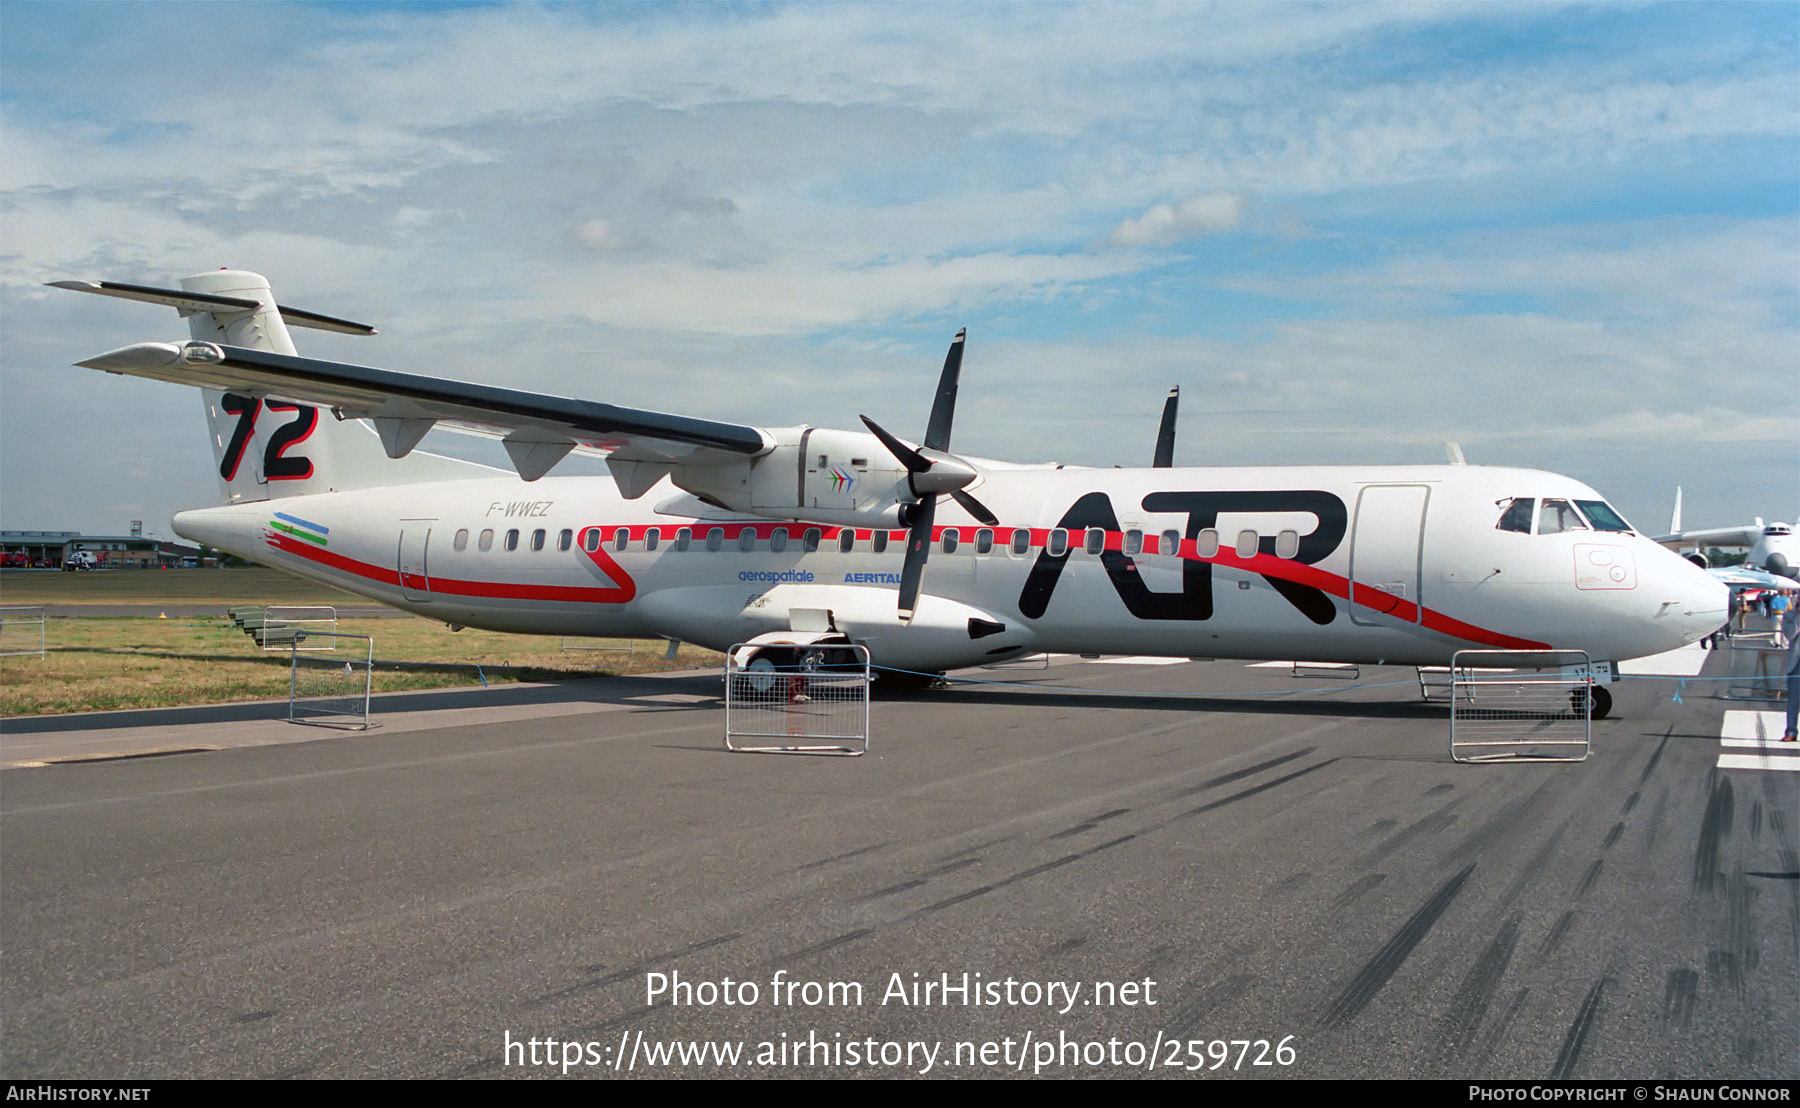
x,y
814,473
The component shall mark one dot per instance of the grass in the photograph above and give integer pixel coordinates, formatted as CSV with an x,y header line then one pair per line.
x,y
149,587
149,662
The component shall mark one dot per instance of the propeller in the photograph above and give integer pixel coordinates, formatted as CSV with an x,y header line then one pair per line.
x,y
931,471
1165,432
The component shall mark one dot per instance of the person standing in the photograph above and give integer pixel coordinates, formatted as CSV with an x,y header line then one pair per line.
x,y
1790,630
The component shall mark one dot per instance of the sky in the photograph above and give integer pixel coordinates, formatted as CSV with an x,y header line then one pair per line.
x,y
1566,236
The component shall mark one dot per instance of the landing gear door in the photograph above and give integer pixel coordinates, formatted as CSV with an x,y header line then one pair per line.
x,y
415,584
1384,554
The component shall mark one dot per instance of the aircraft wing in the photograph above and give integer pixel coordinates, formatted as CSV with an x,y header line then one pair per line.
x,y
1718,536
1746,577
538,430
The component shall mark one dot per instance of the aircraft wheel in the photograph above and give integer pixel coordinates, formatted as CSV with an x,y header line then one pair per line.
x,y
760,677
1601,702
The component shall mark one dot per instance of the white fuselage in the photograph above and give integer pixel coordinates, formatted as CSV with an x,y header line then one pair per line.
x,y
1401,565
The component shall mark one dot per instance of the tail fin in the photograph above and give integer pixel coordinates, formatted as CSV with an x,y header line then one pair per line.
x,y
1675,516
266,447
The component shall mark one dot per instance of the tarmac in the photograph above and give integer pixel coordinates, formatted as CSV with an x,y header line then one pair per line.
x,y
1101,868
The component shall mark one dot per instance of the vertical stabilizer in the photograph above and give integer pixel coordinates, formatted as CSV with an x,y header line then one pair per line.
x,y
264,446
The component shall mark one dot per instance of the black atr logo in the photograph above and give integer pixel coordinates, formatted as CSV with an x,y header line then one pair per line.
x,y
1195,600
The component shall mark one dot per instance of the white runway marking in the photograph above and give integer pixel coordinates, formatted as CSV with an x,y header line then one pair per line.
x,y
1760,731
1683,661
1139,660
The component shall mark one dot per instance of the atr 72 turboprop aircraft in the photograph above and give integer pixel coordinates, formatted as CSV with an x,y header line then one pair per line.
x,y
718,533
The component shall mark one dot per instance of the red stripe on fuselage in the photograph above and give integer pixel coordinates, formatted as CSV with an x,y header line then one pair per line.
x,y
1267,565
447,586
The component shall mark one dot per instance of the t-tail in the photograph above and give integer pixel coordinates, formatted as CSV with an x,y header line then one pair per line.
x,y
264,446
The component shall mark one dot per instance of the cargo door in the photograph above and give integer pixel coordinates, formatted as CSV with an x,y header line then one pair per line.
x,y
1384,554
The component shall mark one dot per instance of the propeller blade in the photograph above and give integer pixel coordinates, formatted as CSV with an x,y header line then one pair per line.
x,y
914,461
975,508
943,408
918,546
1165,434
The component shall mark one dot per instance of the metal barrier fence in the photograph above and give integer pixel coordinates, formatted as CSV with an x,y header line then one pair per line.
x,y
328,693
815,700
1504,709
1434,684
320,628
21,632
1756,658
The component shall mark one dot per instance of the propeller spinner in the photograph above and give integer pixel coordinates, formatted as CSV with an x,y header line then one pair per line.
x,y
932,471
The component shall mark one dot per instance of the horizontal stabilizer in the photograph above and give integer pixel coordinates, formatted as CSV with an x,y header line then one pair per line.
x,y
189,302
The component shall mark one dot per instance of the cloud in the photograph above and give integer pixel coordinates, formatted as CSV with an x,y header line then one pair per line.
x,y
1165,224
597,234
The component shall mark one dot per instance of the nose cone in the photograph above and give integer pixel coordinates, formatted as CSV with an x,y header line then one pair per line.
x,y
1694,602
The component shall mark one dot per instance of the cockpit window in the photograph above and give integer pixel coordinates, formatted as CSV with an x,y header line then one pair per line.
x,y
1559,516
1602,516
1517,515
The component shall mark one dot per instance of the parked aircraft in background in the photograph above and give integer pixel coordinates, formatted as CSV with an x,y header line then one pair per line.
x,y
718,533
1771,547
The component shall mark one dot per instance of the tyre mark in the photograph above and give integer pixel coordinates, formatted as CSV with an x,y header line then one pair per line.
x,y
1586,1022
1656,756
1557,934
1679,994
1589,878
1715,828
1237,775
1088,825
1353,893
1476,994
1388,960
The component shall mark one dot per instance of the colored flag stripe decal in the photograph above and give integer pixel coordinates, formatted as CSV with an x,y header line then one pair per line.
x,y
310,525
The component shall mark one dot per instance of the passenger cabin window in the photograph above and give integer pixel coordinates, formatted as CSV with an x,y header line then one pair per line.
x,y
950,538
1515,515
984,541
537,540
715,539
512,539
621,539
462,540
652,537
747,540
486,542
683,538
1021,541
846,540
1096,540
565,539
778,540
878,542
1246,544
1134,542
1171,543
590,539
1558,516
1058,544
1287,544
810,540
1206,543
